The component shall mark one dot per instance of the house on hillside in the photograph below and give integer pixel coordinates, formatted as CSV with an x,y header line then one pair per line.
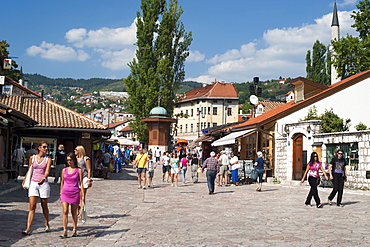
x,y
102,116
265,106
128,132
203,108
29,118
116,127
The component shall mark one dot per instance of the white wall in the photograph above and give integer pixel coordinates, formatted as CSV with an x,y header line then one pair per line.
x,y
350,103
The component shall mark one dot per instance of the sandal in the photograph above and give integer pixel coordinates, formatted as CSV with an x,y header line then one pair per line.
x,y
64,235
24,232
47,229
74,233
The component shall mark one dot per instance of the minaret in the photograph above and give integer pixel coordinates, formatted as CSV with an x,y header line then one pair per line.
x,y
334,37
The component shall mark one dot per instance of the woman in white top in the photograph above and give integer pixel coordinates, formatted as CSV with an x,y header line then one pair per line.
x,y
39,186
84,163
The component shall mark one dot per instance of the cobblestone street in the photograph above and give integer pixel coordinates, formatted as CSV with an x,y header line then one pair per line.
x,y
119,214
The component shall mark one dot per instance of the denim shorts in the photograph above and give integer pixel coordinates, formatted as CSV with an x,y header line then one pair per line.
x,y
141,170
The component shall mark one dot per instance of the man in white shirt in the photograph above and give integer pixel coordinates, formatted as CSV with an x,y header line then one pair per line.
x,y
157,155
166,168
18,159
234,167
224,168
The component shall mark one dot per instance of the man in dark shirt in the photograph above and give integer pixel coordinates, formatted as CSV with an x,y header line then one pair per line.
x,y
60,162
213,168
337,171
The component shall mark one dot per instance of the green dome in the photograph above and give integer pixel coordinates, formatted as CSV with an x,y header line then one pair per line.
x,y
158,111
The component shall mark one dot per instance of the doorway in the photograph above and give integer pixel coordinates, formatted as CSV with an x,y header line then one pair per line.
x,y
297,157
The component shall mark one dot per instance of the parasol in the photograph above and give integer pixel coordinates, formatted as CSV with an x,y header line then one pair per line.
x,y
184,141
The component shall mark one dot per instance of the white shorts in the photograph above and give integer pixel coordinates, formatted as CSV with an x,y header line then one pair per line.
x,y
42,191
174,170
85,182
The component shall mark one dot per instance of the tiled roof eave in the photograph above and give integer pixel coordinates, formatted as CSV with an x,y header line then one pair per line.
x,y
208,98
103,131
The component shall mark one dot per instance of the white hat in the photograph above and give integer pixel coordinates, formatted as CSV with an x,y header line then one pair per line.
x,y
259,154
212,154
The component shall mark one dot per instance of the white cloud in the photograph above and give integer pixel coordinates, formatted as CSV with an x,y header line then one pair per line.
x,y
110,38
203,78
244,51
195,56
116,60
282,52
57,52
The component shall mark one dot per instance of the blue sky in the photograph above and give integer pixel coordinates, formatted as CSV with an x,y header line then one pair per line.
x,y
233,40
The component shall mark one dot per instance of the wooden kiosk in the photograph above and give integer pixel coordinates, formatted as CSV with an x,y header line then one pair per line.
x,y
159,123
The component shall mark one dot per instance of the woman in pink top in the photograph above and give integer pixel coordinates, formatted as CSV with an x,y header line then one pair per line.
x,y
39,186
70,190
312,169
184,166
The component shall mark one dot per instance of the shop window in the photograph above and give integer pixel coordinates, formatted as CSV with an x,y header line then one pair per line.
x,y
350,153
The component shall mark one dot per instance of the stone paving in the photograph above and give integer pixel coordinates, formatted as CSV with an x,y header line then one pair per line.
x,y
119,214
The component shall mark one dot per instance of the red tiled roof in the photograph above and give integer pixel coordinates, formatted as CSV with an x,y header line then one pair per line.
x,y
291,106
49,114
126,129
215,90
270,105
115,124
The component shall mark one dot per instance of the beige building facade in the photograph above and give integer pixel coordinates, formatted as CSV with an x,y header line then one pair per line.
x,y
203,108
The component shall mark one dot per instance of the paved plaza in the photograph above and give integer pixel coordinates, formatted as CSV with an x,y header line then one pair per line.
x,y
120,214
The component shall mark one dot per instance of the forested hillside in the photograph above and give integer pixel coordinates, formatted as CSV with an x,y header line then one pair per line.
x,y
62,88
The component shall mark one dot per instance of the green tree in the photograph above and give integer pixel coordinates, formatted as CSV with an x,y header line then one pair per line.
x,y
312,114
360,126
316,68
352,54
330,122
246,107
13,73
158,69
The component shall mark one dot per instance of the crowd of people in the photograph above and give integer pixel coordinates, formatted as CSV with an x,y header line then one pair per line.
x,y
75,171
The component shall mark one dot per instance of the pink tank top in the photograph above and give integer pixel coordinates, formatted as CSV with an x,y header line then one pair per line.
x,y
39,169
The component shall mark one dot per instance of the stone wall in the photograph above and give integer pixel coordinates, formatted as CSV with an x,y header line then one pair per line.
x,y
281,165
356,179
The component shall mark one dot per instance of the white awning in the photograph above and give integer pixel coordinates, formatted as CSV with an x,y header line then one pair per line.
x,y
230,138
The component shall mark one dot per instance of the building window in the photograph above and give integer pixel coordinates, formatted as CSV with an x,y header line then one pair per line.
x,y
229,111
209,125
214,110
186,113
191,127
209,110
192,112
214,124
186,128
180,128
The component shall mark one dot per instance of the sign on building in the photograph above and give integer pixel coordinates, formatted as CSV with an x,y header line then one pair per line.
x,y
7,64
